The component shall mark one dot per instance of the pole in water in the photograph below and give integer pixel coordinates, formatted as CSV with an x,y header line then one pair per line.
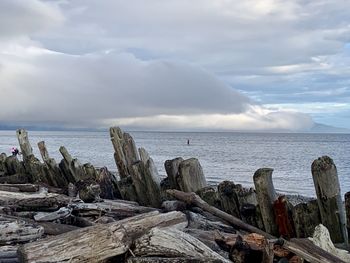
x,y
188,141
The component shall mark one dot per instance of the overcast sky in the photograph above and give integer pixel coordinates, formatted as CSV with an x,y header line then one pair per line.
x,y
175,64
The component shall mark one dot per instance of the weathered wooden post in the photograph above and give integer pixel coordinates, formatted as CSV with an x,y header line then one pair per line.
x,y
24,144
347,211
117,137
325,177
283,217
266,196
172,169
32,165
191,177
2,164
228,198
72,168
54,173
306,217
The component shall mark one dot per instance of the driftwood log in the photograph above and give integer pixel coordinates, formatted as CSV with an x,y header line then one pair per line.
x,y
171,242
99,242
16,231
33,201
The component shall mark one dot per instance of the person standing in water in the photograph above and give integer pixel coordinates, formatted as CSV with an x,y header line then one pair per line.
x,y
188,141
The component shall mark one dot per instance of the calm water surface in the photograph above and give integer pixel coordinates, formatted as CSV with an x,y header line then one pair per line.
x,y
224,156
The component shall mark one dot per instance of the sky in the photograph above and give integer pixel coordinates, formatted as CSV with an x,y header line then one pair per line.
x,y
175,65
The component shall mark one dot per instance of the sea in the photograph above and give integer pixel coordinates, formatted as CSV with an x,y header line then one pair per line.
x,y
223,155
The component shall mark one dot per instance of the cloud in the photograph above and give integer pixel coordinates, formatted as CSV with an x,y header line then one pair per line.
x,y
20,18
199,63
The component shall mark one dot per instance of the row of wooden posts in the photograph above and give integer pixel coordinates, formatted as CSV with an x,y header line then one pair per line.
x,y
139,181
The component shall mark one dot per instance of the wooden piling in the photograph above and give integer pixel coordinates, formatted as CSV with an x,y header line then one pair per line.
x,y
24,143
266,196
325,177
306,217
172,169
191,177
347,210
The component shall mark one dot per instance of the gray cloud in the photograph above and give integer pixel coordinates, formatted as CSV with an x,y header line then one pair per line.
x,y
90,63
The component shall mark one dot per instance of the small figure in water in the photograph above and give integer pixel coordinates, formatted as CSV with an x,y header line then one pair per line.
x,y
15,151
188,141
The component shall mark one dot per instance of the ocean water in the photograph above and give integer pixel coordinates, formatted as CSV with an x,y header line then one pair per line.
x,y
223,156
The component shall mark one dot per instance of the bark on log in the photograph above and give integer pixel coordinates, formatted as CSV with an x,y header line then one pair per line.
x,y
325,177
266,196
172,169
97,243
171,242
24,143
19,187
312,253
113,208
306,217
18,232
190,177
33,201
15,179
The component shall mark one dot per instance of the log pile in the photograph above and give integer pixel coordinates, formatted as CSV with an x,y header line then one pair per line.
x,y
72,212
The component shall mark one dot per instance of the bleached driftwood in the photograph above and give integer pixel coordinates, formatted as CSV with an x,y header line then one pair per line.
x,y
321,238
19,187
170,242
190,176
17,231
33,201
97,243
61,213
